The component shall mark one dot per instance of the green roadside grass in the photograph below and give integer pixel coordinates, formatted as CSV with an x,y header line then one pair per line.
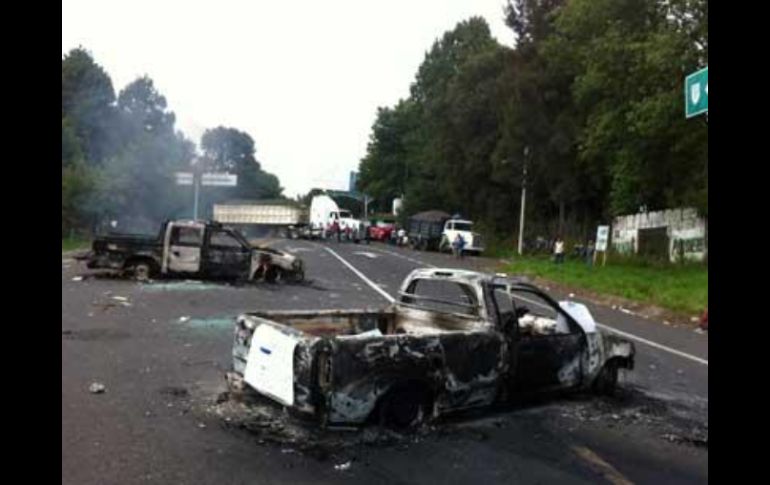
x,y
681,288
71,244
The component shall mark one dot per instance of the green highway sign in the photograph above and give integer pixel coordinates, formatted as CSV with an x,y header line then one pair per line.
x,y
696,93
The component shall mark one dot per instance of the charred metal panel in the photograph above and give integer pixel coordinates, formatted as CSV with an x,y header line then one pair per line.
x,y
549,361
364,369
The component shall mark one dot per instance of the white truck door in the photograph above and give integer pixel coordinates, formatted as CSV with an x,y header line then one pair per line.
x,y
183,247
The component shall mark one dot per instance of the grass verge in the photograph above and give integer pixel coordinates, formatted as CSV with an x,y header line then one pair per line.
x,y
680,288
71,244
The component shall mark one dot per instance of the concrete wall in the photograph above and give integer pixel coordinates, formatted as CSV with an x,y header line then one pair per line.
x,y
684,228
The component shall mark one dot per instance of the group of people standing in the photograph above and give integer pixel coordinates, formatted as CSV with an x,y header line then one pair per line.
x,y
559,251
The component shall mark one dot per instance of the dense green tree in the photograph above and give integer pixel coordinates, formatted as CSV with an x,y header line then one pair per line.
x,y
591,93
234,151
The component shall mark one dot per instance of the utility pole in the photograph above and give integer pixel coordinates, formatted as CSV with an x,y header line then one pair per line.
x,y
196,184
523,202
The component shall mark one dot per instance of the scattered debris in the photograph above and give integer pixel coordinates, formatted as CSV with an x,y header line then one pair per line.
x,y
342,466
119,298
215,322
174,391
201,425
95,334
77,278
704,321
97,388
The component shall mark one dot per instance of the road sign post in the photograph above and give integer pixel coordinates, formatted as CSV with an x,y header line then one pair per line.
x,y
602,241
211,179
696,93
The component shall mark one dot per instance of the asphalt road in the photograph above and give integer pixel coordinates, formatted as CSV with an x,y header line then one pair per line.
x,y
161,349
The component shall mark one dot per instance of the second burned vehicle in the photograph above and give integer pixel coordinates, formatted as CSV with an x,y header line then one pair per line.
x,y
453,340
198,249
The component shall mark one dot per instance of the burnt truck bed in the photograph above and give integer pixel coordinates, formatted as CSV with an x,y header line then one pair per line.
x,y
342,362
113,251
412,361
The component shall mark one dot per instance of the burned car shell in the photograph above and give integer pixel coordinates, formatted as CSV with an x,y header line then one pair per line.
x,y
344,363
201,249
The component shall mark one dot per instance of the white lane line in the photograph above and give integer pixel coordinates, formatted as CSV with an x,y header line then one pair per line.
x,y
630,336
362,276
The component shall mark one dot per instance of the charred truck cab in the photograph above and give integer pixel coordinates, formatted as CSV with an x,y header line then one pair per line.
x,y
453,340
199,249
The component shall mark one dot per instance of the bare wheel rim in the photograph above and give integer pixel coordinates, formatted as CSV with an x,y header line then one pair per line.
x,y
142,271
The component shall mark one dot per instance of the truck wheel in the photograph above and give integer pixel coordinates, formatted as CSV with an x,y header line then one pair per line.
x,y
299,276
607,380
403,408
271,275
142,271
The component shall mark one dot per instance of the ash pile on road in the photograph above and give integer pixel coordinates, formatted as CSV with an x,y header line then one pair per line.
x,y
270,423
629,407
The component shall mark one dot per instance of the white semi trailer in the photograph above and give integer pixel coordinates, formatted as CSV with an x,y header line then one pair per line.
x,y
257,216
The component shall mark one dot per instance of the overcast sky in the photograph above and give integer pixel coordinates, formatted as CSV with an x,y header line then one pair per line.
x,y
303,78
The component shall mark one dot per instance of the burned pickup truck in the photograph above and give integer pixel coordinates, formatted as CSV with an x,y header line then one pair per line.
x,y
453,340
193,249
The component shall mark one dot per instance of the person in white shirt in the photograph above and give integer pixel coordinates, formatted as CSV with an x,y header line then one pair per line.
x,y
558,251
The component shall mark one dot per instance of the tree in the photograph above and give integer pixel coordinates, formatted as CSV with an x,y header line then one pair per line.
x,y
592,91
88,103
231,150
631,58
138,181
383,172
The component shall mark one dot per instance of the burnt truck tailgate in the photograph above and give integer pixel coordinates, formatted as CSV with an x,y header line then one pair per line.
x,y
277,353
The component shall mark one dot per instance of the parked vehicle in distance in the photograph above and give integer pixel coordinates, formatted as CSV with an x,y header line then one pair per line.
x,y
325,213
285,217
464,228
381,229
436,230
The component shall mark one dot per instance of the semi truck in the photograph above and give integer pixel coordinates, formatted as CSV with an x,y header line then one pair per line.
x,y
257,218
